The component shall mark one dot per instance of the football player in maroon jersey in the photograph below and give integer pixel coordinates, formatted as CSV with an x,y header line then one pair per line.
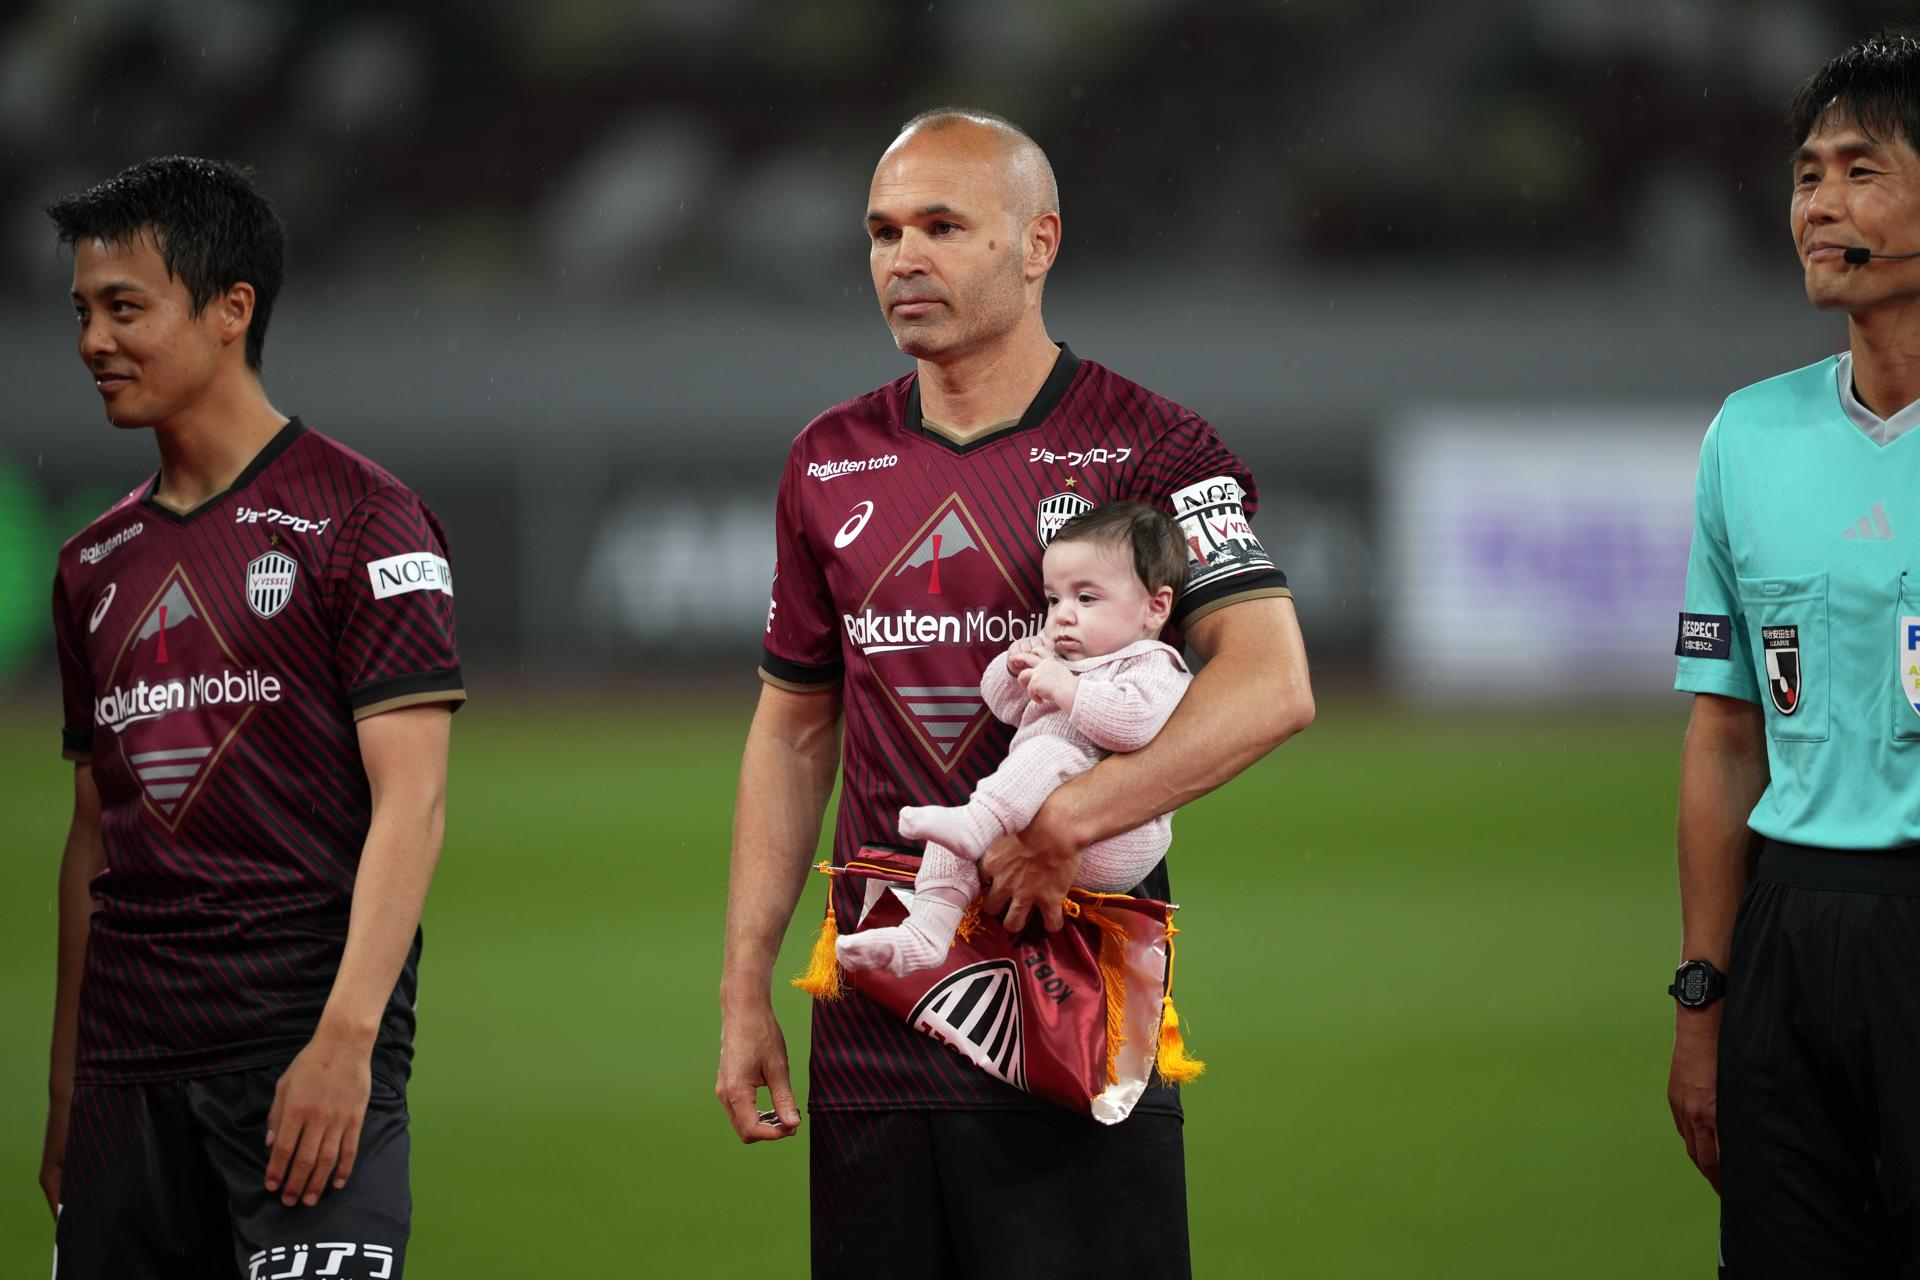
x,y
910,526
257,660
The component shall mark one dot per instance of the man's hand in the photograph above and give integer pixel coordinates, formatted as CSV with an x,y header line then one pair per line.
x,y
1693,1089
1027,651
1050,681
319,1106
53,1153
1029,871
754,1053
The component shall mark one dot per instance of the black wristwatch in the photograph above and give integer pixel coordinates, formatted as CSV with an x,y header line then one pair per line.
x,y
1697,984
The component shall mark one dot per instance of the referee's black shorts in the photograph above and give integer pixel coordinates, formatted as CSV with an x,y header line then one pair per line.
x,y
1006,1195
1819,1107
166,1181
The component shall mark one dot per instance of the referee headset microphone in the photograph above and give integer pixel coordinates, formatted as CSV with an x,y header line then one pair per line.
x,y
1859,253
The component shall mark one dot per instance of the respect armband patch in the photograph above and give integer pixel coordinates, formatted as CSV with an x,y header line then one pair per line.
x,y
1704,635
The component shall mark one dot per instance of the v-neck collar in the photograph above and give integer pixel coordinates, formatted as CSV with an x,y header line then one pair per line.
x,y
1882,431
280,443
1051,393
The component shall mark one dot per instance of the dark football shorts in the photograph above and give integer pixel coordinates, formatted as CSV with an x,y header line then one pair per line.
x,y
1819,1094
166,1181
1006,1195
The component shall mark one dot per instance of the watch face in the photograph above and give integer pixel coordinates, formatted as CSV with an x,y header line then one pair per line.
x,y
1693,985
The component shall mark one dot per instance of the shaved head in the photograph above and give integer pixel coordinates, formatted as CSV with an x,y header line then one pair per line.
x,y
963,225
1024,169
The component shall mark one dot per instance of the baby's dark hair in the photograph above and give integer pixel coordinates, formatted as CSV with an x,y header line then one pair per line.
x,y
1159,553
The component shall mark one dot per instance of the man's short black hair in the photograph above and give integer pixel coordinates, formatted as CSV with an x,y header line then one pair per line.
x,y
1159,554
211,224
1875,84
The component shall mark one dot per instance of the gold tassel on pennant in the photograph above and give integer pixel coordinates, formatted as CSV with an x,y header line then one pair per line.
x,y
1175,1065
1173,1062
823,979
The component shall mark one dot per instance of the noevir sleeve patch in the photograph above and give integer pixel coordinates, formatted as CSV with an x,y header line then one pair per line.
x,y
393,597
1704,635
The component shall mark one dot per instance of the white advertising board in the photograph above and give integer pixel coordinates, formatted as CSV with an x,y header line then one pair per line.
x,y
1536,555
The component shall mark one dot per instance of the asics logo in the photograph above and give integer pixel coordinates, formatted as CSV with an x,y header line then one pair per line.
x,y
855,524
100,610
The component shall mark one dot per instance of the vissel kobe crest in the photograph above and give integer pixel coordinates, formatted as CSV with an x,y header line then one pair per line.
x,y
933,619
270,583
175,699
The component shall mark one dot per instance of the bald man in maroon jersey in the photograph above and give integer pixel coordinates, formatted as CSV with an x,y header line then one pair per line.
x,y
257,655
910,527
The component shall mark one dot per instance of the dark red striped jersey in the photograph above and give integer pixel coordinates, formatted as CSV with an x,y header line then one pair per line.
x,y
213,666
906,562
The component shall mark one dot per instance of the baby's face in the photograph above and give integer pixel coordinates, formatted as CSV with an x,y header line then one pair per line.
x,y
1096,603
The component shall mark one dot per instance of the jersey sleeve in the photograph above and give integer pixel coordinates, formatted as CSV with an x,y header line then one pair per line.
x,y
393,606
76,678
1191,475
800,651
1711,649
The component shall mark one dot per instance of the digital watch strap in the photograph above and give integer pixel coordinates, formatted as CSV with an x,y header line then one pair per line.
x,y
1697,984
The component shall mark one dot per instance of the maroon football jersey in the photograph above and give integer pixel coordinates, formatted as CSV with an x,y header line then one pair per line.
x,y
213,666
907,562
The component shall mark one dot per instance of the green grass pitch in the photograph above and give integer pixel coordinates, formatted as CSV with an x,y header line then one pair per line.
x,y
1424,958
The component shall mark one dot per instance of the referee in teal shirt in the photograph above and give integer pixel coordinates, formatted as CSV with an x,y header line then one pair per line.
x,y
1796,1056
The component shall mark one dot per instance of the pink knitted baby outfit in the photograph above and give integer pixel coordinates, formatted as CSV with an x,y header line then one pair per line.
x,y
1120,703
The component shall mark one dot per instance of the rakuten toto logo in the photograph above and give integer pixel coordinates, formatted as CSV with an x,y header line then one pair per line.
x,y
101,550
850,466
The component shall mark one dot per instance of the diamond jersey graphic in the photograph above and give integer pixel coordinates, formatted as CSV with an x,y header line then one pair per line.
x,y
976,1010
950,538
175,699
935,616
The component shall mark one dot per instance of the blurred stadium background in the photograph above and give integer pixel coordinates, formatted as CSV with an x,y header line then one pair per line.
x,y
1463,284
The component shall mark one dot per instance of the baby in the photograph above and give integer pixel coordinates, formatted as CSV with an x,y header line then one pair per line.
x,y
1097,680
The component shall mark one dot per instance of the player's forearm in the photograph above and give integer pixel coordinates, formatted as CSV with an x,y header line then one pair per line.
x,y
389,895
78,865
786,779
83,858
1241,705
1723,771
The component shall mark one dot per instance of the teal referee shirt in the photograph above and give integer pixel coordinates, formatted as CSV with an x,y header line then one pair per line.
x,y
1803,595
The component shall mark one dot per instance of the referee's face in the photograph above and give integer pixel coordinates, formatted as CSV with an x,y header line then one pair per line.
x,y
943,244
1851,189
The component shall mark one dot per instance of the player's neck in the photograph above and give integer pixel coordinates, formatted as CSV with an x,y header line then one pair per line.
x,y
1886,361
989,388
204,449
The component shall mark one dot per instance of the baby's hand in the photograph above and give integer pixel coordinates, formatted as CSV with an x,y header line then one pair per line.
x,y
1026,652
1050,681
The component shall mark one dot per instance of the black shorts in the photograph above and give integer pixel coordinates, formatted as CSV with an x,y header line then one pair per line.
x,y
167,1182
1011,1195
1819,1094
